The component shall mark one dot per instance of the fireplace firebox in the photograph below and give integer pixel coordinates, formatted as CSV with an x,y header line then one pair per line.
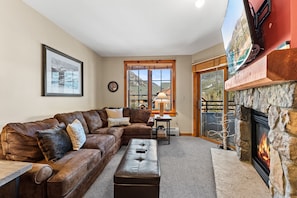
x,y
260,145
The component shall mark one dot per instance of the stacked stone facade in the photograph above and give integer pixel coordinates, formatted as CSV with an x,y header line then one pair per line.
x,y
279,103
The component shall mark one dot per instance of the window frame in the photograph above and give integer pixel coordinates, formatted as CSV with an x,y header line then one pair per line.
x,y
152,64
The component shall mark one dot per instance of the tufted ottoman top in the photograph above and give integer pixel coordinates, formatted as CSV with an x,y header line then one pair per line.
x,y
139,164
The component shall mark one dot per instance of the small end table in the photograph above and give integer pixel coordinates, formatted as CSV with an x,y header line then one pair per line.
x,y
10,172
166,119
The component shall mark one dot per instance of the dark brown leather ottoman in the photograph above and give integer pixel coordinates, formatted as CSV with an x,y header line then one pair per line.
x,y
138,174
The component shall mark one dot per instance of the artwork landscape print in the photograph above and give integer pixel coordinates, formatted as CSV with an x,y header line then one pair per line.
x,y
62,74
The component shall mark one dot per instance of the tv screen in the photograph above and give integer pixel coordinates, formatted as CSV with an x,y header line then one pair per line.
x,y
239,35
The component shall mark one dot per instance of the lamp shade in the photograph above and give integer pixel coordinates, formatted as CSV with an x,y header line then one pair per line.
x,y
161,96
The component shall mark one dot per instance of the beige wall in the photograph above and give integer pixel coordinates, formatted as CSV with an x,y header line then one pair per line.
x,y
22,32
212,52
114,70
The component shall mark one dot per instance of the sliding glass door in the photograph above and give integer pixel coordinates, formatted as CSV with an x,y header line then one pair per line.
x,y
213,107
216,108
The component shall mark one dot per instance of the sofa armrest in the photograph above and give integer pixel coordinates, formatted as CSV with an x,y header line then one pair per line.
x,y
39,173
150,121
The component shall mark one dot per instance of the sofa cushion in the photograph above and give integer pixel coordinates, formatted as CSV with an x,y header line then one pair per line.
x,y
103,116
137,129
93,120
103,142
76,133
19,140
125,121
103,130
126,112
54,143
117,132
68,118
140,115
114,113
2,156
71,170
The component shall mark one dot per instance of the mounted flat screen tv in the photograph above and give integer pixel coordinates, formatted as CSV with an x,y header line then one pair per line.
x,y
239,35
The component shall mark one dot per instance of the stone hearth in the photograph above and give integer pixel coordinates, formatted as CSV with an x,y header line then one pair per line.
x,y
279,103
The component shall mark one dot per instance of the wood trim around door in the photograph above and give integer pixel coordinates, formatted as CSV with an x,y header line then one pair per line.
x,y
197,69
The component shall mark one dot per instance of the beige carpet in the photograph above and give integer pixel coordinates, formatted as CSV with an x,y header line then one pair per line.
x,y
236,179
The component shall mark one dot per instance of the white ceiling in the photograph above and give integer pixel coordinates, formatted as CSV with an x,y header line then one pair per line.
x,y
138,27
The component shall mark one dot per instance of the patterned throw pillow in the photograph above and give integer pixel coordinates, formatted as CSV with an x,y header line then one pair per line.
x,y
125,121
77,134
53,143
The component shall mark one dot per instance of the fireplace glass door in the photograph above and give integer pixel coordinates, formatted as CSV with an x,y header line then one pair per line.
x,y
260,145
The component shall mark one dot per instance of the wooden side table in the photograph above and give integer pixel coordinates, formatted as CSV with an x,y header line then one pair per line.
x,y
166,119
10,172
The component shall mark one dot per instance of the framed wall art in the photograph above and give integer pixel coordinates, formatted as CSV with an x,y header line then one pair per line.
x,y
113,86
62,74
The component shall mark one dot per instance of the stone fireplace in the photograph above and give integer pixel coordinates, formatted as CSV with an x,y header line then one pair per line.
x,y
279,104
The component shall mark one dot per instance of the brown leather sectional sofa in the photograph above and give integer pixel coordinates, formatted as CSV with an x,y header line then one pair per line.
x,y
74,173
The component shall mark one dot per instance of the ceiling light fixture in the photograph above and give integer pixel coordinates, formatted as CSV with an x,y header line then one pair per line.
x,y
199,3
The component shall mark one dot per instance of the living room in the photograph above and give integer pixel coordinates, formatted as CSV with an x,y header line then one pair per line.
x,y
24,31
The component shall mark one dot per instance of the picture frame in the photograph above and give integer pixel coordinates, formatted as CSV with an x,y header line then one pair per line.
x,y
62,74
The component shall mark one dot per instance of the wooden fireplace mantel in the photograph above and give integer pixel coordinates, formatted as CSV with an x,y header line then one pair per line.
x,y
276,67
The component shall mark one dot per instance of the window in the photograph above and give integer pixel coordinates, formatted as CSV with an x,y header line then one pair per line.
x,y
145,79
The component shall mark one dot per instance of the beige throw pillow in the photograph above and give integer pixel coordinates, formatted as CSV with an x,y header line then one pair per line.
x,y
118,121
114,113
77,134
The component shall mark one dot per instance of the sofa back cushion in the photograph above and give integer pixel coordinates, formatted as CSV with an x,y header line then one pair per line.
x,y
103,116
126,112
93,120
68,118
19,140
139,115
2,156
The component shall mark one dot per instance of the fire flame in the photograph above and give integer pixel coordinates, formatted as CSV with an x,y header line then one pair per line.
x,y
264,150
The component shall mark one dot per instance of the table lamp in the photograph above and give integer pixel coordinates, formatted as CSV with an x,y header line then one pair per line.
x,y
161,98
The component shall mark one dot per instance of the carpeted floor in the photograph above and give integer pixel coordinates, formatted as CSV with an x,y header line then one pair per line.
x,y
186,170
